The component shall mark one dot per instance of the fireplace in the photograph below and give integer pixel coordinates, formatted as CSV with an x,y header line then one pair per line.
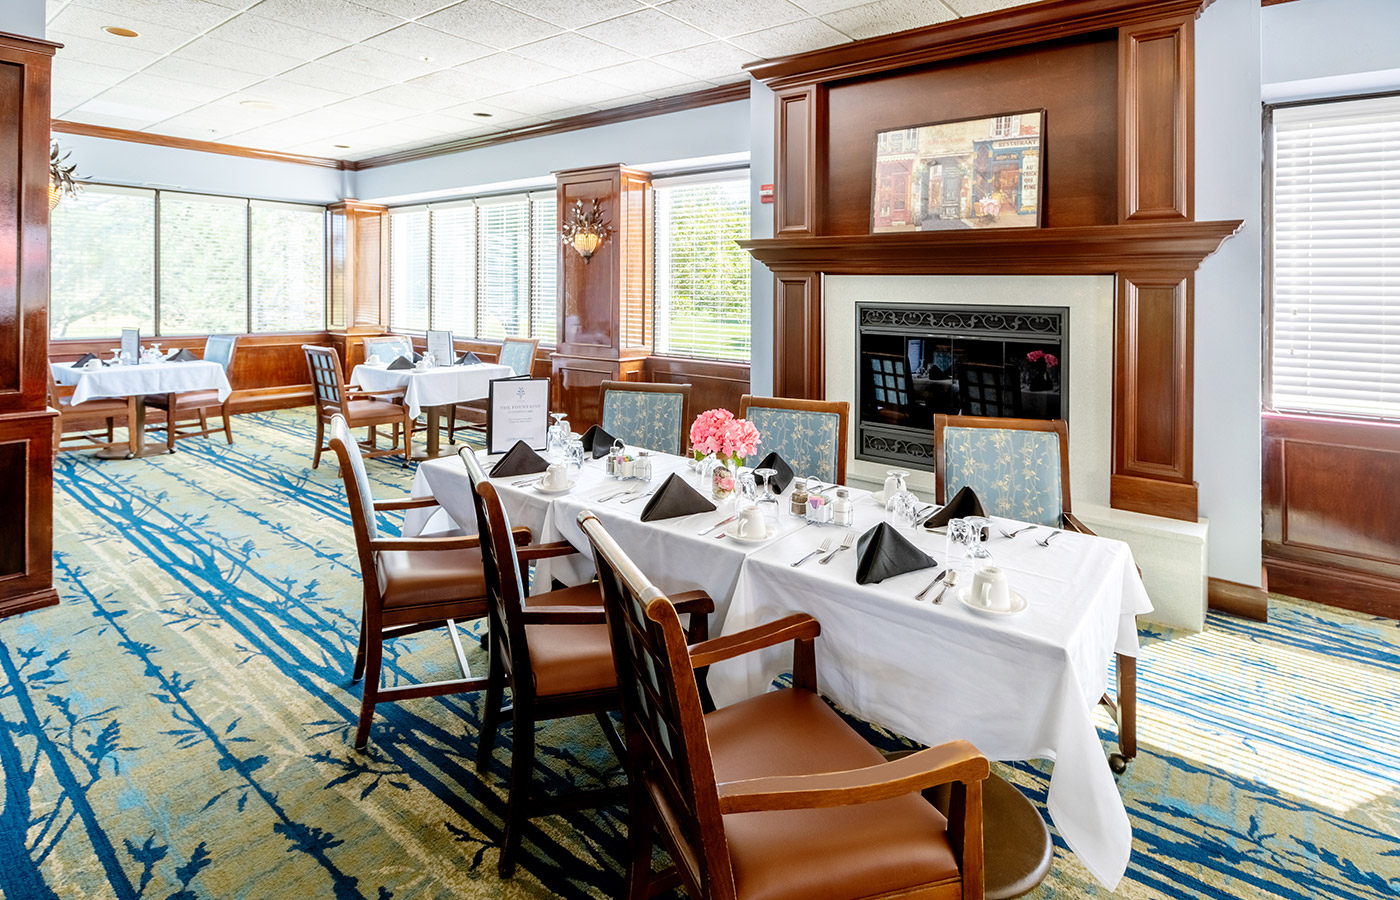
x,y
917,361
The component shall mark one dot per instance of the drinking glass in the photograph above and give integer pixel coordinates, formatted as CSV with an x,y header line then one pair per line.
x,y
901,506
767,497
957,541
977,556
573,448
558,436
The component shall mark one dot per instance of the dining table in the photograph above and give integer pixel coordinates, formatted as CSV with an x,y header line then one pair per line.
x,y
1019,687
431,390
137,381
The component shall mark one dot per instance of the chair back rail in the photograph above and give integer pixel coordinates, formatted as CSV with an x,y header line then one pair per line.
x,y
654,416
810,435
1018,467
519,354
360,498
389,348
667,747
326,381
220,348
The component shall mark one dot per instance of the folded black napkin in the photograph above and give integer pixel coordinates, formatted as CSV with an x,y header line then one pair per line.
x,y
468,359
884,553
184,356
597,441
83,360
675,498
519,460
401,363
784,475
417,357
963,504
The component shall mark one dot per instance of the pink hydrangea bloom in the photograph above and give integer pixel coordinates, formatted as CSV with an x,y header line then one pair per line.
x,y
708,430
1035,355
1051,361
740,438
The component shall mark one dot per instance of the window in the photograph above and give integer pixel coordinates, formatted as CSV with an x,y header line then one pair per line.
x,y
1336,276
702,276
174,263
482,268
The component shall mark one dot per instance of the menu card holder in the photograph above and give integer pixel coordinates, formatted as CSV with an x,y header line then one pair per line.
x,y
517,409
131,344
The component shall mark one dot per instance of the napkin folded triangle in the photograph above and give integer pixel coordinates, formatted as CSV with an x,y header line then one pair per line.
x,y
675,498
469,359
519,460
83,360
184,356
884,553
784,473
597,441
964,503
401,363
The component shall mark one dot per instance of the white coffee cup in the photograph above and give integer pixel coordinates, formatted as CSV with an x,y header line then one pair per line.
x,y
555,477
990,590
751,523
373,360
92,365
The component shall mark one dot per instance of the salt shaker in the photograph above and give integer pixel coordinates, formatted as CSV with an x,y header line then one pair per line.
x,y
641,466
798,501
843,511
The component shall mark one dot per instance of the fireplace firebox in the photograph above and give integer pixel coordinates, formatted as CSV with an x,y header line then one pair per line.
x,y
917,361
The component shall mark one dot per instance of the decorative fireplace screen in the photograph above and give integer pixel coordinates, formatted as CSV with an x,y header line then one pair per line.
x,y
917,361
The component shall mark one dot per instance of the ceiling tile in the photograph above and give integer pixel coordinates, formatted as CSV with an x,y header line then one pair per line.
x,y
642,75
182,15
278,134
726,18
135,105
277,37
976,7
291,95
500,116
84,22
53,8
797,37
408,98
442,123
220,118
184,90
379,63
407,9
330,78
62,100
535,103
458,84
415,42
201,73
512,70
108,120
582,89
718,61
647,30
676,90
236,56
128,57
386,135
575,52
359,110
887,17
340,18
67,70
490,23
575,13
821,7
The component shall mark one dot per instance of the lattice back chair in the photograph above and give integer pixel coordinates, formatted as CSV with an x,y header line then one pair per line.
x,y
218,348
989,390
519,354
810,435
97,413
410,584
389,347
653,416
361,409
822,813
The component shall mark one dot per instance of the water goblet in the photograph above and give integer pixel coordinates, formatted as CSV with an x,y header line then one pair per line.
x,y
573,450
767,501
558,435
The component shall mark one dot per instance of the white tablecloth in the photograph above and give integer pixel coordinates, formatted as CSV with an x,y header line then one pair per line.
x,y
438,386
157,378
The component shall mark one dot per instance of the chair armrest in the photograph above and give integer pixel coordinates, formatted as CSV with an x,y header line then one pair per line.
x,y
780,631
521,535
954,761
545,551
427,543
356,392
406,503
1073,524
564,615
692,602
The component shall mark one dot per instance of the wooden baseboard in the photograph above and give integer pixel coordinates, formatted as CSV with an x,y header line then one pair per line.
x,y
1365,592
1238,599
264,399
13,606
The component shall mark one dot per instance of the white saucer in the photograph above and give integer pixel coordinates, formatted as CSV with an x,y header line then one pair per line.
x,y
1018,603
539,486
752,540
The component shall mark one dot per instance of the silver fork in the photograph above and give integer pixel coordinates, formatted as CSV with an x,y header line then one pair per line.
x,y
640,497
846,543
826,545
634,489
1049,537
1012,534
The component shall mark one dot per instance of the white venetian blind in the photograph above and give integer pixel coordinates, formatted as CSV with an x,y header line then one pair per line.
x,y
1336,317
454,269
544,263
702,277
103,267
288,267
408,269
503,286
203,264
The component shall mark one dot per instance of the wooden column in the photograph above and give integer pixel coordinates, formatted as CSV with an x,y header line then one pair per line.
x,y
605,320
358,286
26,422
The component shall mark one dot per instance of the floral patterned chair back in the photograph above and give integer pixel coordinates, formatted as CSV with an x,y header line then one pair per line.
x,y
652,416
519,354
389,349
1016,466
809,435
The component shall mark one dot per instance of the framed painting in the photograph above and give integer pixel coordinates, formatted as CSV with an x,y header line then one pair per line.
x,y
967,173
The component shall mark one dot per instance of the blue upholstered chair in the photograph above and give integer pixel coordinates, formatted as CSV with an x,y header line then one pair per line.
x,y
810,435
519,354
653,416
1018,467
389,347
218,348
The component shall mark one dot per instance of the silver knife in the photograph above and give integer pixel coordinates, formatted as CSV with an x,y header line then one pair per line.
x,y
716,525
921,594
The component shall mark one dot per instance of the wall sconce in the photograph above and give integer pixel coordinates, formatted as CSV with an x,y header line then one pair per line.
x,y
62,181
585,230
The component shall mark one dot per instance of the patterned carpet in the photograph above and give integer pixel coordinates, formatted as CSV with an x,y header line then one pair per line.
x,y
178,728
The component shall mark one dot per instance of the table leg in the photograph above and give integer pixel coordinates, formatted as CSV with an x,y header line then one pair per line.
x,y
434,448
137,445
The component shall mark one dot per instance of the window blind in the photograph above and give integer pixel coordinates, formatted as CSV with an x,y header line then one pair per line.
x,y
288,272
454,269
544,262
408,269
503,296
203,264
1336,275
103,263
702,277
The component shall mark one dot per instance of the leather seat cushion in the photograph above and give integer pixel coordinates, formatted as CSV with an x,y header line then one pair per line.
x,y
820,854
580,595
187,400
105,407
366,412
570,659
422,578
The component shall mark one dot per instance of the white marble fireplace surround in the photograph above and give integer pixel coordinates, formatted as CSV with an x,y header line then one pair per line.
x,y
1171,553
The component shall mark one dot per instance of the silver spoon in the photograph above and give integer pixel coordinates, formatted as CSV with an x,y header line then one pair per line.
x,y
1049,537
1012,534
952,580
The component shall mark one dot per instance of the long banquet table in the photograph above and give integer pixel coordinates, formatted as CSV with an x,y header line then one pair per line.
x,y
1020,687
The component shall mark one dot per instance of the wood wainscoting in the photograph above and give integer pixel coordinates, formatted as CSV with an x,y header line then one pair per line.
x,y
1331,532
714,384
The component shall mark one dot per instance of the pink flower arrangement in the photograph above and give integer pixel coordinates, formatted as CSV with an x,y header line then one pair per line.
x,y
1049,359
717,431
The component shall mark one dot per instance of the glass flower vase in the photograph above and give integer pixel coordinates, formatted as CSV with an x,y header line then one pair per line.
x,y
723,479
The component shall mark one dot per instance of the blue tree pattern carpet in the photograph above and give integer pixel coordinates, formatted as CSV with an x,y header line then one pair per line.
x,y
178,728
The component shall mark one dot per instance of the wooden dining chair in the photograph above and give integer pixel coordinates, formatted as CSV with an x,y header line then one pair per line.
x,y
389,347
774,797
552,651
218,348
810,435
1019,469
519,355
410,584
651,416
73,426
360,409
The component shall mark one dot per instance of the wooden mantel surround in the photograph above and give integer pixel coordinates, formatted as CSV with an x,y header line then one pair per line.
x,y
357,241
1116,80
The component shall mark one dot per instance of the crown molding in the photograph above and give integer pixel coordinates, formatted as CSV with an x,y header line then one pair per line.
x,y
162,140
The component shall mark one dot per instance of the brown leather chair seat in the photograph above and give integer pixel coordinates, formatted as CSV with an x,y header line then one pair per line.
x,y
579,595
806,854
412,578
364,412
570,659
186,400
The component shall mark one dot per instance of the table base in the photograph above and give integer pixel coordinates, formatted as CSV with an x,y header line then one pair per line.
x,y
123,451
434,439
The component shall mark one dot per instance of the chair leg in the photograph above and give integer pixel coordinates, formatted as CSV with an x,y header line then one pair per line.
x,y
452,423
374,654
522,766
228,425
111,430
490,714
204,421
170,422
320,438
359,671
407,438
639,839
373,438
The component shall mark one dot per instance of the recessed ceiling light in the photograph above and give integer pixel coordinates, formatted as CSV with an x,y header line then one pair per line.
x,y
260,104
482,115
342,146
120,31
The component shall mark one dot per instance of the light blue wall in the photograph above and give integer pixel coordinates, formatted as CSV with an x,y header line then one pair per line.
x,y
22,17
1316,48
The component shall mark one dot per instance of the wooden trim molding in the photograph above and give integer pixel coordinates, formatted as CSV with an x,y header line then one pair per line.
x,y
1321,580
162,140
1238,599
